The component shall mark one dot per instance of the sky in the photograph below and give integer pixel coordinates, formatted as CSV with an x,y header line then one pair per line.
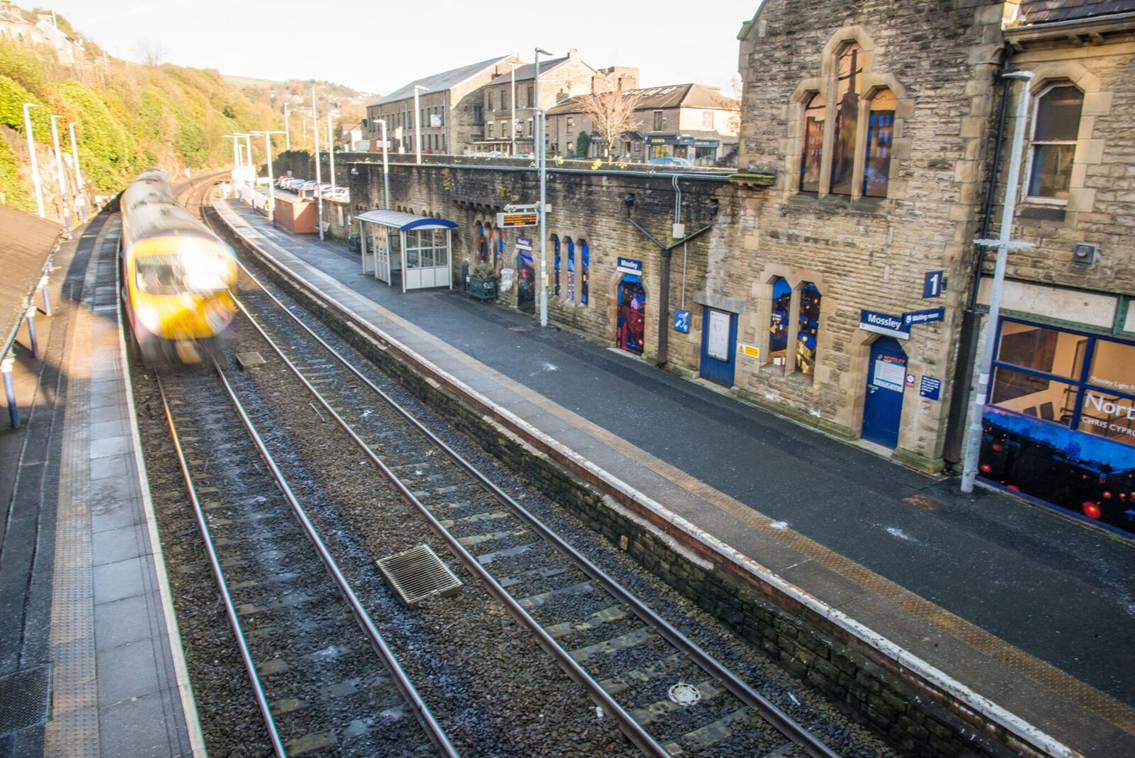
x,y
377,45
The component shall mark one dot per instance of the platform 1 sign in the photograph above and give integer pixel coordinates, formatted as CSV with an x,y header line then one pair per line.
x,y
513,219
884,323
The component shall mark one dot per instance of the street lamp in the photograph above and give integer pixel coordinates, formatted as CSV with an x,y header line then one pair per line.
x,y
271,183
80,199
59,176
512,121
318,177
385,165
418,122
542,167
31,152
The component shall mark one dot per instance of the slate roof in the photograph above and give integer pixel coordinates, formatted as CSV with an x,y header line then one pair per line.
x,y
656,98
528,70
443,81
25,243
1033,12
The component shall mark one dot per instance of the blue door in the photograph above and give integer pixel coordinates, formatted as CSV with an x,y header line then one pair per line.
x,y
882,411
718,346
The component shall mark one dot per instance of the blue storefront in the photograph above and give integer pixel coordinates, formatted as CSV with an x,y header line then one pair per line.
x,y
1059,422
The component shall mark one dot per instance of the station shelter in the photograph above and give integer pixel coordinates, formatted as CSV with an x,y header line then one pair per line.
x,y
414,249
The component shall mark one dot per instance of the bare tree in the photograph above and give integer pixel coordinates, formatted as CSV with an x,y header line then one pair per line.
x,y
611,114
730,101
150,52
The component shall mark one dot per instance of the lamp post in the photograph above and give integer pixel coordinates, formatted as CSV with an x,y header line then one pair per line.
x,y
385,165
287,130
512,121
331,152
251,165
271,183
542,167
31,153
80,199
318,177
1003,244
59,176
418,122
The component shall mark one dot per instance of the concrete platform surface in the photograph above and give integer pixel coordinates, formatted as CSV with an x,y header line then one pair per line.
x,y
1028,609
83,594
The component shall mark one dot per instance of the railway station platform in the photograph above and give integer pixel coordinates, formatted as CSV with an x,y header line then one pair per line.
x,y
1020,612
90,659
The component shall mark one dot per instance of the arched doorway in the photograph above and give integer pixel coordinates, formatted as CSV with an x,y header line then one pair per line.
x,y
630,334
882,409
525,282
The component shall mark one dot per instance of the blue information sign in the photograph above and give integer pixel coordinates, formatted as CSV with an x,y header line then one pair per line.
x,y
884,323
930,388
629,266
681,321
923,317
932,284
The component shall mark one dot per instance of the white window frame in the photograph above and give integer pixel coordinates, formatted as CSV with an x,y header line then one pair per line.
x,y
1028,172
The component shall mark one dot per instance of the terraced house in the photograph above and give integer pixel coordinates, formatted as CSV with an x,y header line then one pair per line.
x,y
883,131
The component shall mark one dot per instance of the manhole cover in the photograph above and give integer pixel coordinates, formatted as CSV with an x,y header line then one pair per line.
x,y
250,360
25,697
418,573
684,694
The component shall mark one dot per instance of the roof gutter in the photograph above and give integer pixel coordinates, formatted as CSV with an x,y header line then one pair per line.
x,y
1125,20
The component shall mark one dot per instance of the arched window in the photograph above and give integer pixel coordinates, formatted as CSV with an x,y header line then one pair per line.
x,y
585,265
778,321
849,80
808,331
1055,128
814,114
570,294
880,136
556,264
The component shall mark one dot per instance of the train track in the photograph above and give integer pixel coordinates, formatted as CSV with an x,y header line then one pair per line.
x,y
323,677
667,695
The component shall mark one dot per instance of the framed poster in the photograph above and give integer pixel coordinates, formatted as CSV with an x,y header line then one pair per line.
x,y
718,344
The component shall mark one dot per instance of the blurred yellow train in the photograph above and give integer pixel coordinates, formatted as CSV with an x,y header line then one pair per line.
x,y
177,275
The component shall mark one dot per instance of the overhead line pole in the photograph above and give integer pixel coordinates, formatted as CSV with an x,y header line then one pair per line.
x,y
81,198
59,176
318,175
542,167
31,154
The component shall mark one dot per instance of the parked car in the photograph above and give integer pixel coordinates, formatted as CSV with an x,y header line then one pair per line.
x,y
670,162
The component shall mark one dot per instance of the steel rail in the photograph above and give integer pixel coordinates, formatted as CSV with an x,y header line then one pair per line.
x,y
634,731
421,710
219,575
769,711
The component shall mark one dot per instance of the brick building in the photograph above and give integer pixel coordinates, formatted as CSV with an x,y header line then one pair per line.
x,y
451,108
690,121
560,79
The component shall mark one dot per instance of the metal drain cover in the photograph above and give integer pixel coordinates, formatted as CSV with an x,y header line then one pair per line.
x,y
250,360
685,694
417,574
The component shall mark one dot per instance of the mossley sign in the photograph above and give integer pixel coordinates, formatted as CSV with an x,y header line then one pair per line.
x,y
884,323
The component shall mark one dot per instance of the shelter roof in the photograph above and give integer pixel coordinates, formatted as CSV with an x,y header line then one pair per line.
x,y
404,221
26,242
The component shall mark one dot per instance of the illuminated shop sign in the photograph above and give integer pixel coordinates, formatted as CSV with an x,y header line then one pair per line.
x,y
1059,424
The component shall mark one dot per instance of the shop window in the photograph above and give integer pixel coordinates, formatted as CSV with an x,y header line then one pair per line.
x,y
556,264
1113,365
569,295
1033,395
814,113
584,266
778,322
1055,128
880,136
808,331
848,85
1038,348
